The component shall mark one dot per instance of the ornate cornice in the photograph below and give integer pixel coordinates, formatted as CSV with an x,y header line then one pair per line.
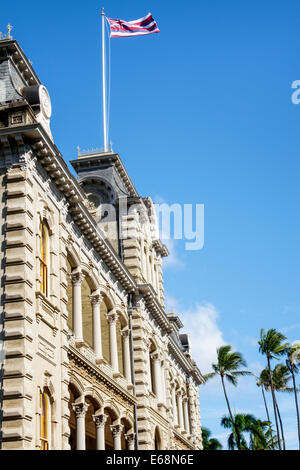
x,y
188,365
155,307
183,440
10,49
161,248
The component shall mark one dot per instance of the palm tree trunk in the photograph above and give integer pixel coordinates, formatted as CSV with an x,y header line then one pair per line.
x,y
296,401
267,411
281,427
274,405
235,437
265,402
227,401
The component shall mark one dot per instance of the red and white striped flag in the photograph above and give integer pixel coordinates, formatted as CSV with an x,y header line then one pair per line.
x,y
120,28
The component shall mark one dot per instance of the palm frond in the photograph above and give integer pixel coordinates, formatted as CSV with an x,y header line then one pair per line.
x,y
209,376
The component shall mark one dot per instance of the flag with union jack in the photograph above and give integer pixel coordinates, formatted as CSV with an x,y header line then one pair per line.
x,y
120,28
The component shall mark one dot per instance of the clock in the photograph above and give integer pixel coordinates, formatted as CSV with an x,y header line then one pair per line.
x,y
45,102
38,97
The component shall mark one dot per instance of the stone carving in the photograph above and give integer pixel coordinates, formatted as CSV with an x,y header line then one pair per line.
x,y
117,430
80,409
130,438
96,299
76,278
100,420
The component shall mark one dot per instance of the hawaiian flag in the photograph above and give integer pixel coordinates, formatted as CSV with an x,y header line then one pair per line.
x,y
120,28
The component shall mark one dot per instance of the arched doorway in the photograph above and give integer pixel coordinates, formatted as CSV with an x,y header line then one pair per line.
x,y
90,427
127,429
112,418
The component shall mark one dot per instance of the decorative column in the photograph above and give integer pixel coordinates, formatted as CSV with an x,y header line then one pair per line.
x,y
117,433
148,265
163,383
112,320
180,410
160,281
96,301
100,421
152,270
186,416
143,260
126,352
77,279
157,278
80,410
174,403
157,377
130,438
148,365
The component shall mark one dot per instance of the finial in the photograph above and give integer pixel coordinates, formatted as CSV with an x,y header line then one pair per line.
x,y
102,11
9,30
111,146
78,150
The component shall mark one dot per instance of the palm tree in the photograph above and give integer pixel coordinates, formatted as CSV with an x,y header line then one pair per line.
x,y
227,367
271,345
292,364
260,384
241,424
267,442
208,442
280,378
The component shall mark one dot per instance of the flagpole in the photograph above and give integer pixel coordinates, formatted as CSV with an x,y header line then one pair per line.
x,y
104,84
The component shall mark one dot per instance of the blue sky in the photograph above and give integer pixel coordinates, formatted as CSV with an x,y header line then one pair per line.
x,y
200,113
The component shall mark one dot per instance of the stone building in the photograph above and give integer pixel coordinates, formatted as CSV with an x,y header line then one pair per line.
x,y
90,358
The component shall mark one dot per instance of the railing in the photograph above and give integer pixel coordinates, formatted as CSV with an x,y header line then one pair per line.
x,y
96,151
89,354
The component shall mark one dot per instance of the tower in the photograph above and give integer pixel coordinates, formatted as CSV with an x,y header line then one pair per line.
x,y
127,219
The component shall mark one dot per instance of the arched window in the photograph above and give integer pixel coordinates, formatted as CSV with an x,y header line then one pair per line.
x,y
45,424
157,440
44,257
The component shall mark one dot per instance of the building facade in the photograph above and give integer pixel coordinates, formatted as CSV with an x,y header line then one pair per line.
x,y
90,358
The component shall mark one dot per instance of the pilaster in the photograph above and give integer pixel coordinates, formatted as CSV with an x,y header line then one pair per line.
x,y
19,255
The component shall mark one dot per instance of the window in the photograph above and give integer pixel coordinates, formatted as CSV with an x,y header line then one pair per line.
x,y
44,237
45,421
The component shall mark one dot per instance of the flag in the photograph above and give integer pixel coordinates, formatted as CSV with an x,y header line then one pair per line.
x,y
120,28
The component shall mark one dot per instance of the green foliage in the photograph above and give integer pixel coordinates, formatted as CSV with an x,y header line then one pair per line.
x,y
272,343
245,426
228,364
208,442
280,376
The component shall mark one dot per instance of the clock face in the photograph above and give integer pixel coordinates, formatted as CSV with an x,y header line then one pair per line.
x,y
45,102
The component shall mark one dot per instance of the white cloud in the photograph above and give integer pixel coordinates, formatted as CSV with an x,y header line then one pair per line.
x,y
201,323
172,261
